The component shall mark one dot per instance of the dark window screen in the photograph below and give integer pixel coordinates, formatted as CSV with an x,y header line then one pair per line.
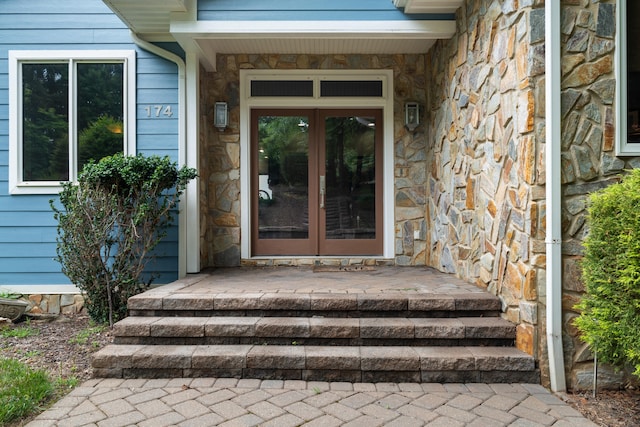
x,y
282,88
371,88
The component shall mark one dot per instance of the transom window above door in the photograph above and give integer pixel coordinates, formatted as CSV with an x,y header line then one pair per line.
x,y
332,85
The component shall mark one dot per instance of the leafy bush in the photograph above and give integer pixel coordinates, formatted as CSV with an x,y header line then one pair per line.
x,y
610,319
110,222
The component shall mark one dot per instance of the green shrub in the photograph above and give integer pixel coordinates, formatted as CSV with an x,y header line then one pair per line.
x,y
610,309
109,224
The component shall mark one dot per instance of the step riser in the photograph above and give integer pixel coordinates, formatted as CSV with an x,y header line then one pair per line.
x,y
493,377
325,331
369,364
307,313
315,303
481,342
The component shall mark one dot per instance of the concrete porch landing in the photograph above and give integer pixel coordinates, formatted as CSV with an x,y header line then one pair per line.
x,y
291,323
322,279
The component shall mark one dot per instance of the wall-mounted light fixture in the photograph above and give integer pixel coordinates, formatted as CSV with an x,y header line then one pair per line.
x,y
411,115
221,116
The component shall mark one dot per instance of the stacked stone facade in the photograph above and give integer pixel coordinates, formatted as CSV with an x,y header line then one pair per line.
x,y
589,160
485,161
486,192
220,154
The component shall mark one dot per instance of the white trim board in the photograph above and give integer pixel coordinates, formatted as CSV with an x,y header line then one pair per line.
x,y
41,289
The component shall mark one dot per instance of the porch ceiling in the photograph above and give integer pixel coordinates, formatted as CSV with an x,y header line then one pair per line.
x,y
175,20
319,37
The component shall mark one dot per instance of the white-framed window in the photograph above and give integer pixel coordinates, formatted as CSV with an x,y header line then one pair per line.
x,y
627,79
65,109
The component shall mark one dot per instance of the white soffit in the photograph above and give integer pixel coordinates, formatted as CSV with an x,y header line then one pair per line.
x,y
175,20
314,37
148,18
428,6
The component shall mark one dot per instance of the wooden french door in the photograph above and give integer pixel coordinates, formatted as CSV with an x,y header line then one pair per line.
x,y
316,182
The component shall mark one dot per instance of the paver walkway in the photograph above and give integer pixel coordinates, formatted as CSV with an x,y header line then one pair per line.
x,y
248,402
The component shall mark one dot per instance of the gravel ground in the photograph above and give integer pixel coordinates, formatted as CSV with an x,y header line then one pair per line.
x,y
63,347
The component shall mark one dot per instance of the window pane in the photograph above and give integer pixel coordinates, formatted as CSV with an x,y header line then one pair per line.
x,y
281,88
283,194
351,88
351,177
100,111
45,122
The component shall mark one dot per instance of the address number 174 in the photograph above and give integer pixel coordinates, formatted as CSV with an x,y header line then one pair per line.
x,y
158,111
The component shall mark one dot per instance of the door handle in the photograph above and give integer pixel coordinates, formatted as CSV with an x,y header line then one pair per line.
x,y
323,190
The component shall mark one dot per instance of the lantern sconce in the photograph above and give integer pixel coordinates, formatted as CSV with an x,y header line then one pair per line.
x,y
411,115
221,116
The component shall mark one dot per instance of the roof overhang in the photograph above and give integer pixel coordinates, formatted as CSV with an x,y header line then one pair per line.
x,y
176,20
428,6
150,19
312,37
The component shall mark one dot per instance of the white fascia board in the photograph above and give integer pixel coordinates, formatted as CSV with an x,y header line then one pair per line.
x,y
316,29
430,6
42,289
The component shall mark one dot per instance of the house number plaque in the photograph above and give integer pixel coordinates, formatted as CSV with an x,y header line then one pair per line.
x,y
158,111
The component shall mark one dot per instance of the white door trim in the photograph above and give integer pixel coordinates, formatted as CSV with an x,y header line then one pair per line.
x,y
385,102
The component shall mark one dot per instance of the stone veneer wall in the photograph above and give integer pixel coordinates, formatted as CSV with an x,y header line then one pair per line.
x,y
589,161
485,158
54,304
220,153
486,207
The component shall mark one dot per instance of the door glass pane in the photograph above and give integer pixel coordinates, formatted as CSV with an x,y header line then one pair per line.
x,y
283,177
45,124
350,177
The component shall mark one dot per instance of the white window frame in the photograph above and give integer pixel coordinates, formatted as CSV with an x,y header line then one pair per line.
x,y
17,185
623,147
385,102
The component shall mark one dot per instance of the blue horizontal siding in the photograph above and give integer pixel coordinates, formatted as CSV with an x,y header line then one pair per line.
x,y
157,96
26,203
83,37
163,142
17,234
295,10
28,218
19,264
153,65
22,8
27,227
33,278
42,20
157,81
25,250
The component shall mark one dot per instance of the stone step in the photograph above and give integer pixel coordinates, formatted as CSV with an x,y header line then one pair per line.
x,y
159,303
315,330
310,363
